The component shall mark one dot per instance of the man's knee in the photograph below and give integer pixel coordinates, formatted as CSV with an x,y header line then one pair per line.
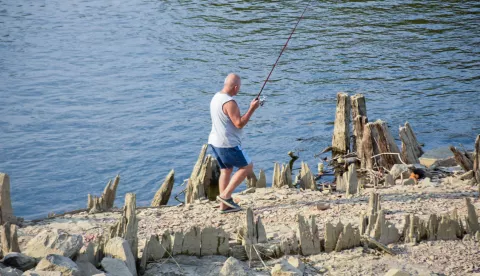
x,y
227,171
249,167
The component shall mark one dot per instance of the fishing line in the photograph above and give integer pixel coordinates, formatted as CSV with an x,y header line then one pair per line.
x,y
281,52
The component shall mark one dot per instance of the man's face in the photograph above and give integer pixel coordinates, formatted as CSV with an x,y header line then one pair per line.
x,y
237,87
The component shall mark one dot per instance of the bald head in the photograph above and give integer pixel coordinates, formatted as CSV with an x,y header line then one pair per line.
x,y
232,84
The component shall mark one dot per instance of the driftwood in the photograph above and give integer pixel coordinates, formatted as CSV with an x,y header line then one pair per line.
x,y
411,149
341,130
377,140
462,159
163,194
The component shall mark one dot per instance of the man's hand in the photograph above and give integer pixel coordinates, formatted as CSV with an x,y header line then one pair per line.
x,y
254,104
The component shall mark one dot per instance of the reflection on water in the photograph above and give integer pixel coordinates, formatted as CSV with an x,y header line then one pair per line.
x,y
93,88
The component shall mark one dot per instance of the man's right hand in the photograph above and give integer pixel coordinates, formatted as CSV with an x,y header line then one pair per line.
x,y
255,104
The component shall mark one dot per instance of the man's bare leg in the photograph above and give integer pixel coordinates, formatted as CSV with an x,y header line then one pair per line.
x,y
236,180
225,175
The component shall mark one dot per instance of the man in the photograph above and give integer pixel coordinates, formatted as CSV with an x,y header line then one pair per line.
x,y
225,140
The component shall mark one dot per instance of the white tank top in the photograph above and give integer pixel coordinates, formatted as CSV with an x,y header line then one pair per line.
x,y
224,134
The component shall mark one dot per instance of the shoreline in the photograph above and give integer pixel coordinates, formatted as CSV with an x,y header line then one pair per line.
x,y
388,209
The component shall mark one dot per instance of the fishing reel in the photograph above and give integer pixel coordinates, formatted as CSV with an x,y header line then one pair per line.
x,y
262,100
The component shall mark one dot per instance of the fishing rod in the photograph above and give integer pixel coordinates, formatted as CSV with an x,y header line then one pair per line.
x,y
283,49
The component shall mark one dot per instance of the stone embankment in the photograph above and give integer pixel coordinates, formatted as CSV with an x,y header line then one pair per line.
x,y
389,212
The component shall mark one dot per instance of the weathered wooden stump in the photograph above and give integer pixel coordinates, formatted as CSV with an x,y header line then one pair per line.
x,y
377,140
359,117
476,160
307,181
341,130
163,194
127,225
203,182
462,159
262,181
105,201
411,149
6,210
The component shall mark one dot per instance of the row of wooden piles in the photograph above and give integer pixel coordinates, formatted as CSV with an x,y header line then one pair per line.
x,y
372,151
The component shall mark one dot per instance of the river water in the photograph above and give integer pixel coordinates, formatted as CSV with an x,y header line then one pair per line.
x,y
89,89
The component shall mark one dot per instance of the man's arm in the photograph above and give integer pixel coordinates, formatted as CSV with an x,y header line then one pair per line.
x,y
233,112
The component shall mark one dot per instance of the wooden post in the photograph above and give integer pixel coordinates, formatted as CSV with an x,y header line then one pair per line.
x,y
366,151
341,130
195,187
359,123
359,108
163,194
411,149
6,210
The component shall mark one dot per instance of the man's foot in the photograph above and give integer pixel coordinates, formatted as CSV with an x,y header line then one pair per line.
x,y
230,210
229,202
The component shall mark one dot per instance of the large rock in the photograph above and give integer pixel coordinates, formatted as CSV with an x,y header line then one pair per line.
x,y
92,253
396,272
53,262
116,267
55,242
42,273
19,260
232,267
9,238
87,268
10,271
284,268
120,249
297,263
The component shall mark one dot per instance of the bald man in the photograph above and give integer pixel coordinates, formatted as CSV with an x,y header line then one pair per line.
x,y
225,140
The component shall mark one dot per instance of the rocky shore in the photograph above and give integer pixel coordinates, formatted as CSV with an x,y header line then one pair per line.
x,y
384,215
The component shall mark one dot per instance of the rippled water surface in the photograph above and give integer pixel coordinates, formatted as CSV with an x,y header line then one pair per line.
x,y
89,89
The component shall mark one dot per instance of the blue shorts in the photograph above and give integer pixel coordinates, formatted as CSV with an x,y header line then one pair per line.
x,y
231,157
